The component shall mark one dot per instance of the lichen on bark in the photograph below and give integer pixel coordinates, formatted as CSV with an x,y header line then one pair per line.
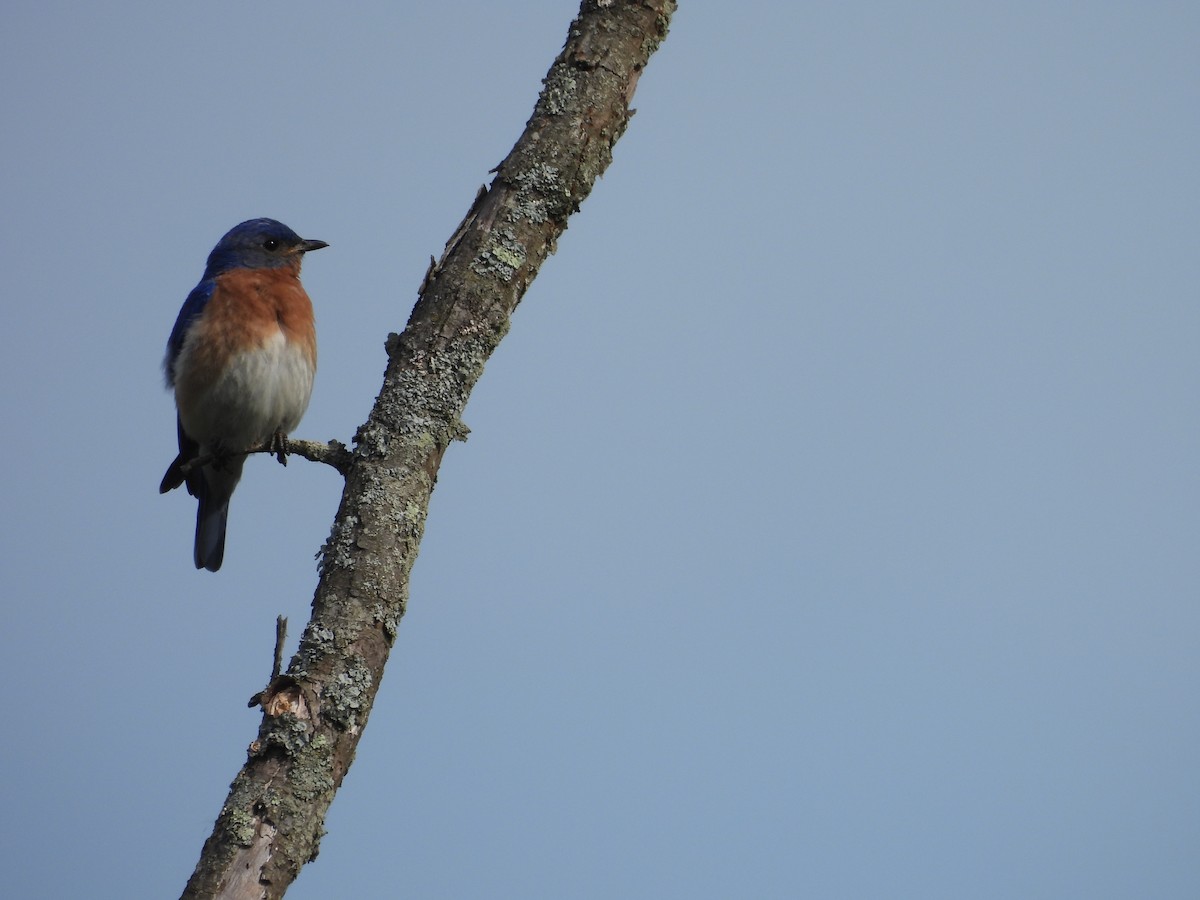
x,y
314,715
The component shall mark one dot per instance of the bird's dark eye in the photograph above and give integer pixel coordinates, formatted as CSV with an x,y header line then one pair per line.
x,y
271,244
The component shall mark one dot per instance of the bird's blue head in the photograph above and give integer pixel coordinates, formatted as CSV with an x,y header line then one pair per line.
x,y
258,244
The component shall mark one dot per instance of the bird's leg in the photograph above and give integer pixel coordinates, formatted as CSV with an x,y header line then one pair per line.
x,y
278,446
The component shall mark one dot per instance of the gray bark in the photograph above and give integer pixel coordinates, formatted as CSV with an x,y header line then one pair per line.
x,y
314,713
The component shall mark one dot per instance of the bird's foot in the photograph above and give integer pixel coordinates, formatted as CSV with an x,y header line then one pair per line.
x,y
278,446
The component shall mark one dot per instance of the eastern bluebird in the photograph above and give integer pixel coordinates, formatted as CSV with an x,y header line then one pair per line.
x,y
241,359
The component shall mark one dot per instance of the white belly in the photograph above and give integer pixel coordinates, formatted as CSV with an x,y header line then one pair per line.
x,y
261,391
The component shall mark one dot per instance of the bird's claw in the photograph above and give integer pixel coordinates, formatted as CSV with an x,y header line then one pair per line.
x,y
278,447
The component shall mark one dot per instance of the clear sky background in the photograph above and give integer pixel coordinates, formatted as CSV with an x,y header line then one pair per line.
x,y
828,525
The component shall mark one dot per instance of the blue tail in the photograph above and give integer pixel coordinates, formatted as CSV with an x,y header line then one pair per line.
x,y
212,486
210,531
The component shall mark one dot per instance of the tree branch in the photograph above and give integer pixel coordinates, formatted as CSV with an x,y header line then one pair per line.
x,y
333,453
271,822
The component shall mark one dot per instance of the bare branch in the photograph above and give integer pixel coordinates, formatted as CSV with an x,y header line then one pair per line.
x,y
334,453
280,637
315,713
263,697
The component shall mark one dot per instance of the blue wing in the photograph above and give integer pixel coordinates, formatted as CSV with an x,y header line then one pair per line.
x,y
191,310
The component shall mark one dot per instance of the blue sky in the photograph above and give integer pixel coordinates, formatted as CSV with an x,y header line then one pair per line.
x,y
828,523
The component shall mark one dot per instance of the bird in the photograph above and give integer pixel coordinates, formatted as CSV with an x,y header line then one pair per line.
x,y
241,361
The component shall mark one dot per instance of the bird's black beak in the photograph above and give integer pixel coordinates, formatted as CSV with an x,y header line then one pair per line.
x,y
305,246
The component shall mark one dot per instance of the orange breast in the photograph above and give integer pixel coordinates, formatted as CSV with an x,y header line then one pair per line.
x,y
248,307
